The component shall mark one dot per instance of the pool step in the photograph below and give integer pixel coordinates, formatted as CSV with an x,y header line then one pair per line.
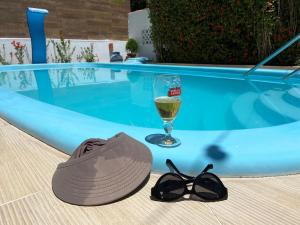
x,y
245,113
292,96
276,110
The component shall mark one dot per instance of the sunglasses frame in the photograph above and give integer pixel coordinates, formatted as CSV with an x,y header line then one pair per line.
x,y
188,179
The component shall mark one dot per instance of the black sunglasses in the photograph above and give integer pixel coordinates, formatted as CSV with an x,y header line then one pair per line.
x,y
172,186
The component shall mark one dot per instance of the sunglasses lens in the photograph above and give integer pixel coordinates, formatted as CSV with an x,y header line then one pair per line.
x,y
170,187
209,187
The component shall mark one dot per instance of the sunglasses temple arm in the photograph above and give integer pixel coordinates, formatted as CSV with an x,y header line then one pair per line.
x,y
208,167
171,164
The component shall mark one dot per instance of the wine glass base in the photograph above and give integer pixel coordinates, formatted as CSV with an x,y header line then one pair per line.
x,y
174,142
159,139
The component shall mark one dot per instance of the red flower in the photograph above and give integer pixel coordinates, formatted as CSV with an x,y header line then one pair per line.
x,y
17,45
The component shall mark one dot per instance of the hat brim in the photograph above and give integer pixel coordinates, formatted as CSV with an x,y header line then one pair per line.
x,y
85,181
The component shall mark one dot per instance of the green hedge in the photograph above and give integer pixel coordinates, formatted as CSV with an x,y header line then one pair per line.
x,y
223,31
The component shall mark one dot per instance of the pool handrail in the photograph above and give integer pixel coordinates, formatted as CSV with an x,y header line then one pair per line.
x,y
274,54
294,73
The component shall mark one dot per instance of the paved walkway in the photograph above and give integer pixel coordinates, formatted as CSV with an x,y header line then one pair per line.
x,y
27,165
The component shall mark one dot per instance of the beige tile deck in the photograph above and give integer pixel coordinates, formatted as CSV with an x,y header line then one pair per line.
x,y
27,165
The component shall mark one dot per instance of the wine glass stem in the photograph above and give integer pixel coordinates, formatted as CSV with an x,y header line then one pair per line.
x,y
168,127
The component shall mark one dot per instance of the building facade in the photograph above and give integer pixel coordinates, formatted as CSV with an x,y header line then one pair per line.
x,y
75,19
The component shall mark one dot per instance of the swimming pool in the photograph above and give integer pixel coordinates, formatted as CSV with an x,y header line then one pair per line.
x,y
245,127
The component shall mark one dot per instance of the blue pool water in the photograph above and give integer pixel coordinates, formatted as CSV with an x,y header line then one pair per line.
x,y
245,127
126,97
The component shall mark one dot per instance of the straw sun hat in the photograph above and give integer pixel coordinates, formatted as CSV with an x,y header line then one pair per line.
x,y
102,171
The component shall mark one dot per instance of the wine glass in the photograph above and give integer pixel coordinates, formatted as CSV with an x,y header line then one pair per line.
x,y
167,92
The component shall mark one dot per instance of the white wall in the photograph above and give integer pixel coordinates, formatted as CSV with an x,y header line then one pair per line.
x,y
139,29
100,48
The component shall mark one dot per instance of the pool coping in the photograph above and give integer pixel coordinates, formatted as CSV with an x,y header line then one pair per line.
x,y
234,152
28,189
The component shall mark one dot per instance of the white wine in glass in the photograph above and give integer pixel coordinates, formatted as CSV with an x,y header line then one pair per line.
x,y
167,98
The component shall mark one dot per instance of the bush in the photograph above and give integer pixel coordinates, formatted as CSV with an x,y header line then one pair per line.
x,y
223,32
132,46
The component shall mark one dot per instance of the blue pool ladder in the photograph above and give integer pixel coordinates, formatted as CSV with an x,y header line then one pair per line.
x,y
274,54
35,22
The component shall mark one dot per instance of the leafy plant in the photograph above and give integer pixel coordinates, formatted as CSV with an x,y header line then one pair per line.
x,y
132,46
87,53
3,60
19,51
62,50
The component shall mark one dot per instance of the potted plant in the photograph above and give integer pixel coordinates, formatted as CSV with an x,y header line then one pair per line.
x,y
131,48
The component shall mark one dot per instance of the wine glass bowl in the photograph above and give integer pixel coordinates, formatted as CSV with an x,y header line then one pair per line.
x,y
167,99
